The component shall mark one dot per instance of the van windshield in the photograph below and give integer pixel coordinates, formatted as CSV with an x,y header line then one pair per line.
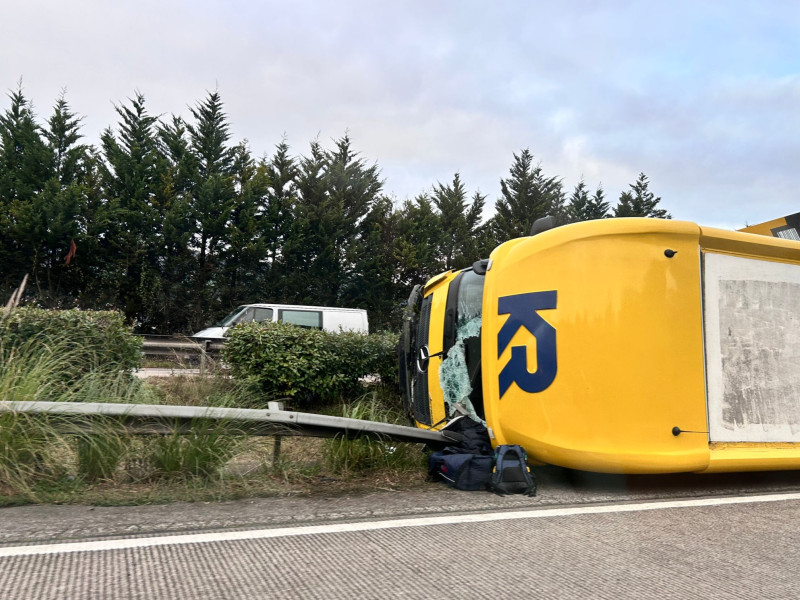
x,y
460,371
470,298
231,318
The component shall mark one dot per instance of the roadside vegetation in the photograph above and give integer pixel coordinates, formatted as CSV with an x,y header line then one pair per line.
x,y
57,459
173,221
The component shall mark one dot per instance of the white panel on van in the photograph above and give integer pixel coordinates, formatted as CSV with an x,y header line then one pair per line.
x,y
345,320
752,337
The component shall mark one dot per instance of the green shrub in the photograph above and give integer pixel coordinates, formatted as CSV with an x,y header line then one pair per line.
x,y
374,354
56,369
308,365
85,340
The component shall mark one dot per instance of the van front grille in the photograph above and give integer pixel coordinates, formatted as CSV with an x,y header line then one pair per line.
x,y
422,404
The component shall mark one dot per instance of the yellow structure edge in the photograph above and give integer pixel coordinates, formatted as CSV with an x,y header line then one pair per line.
x,y
618,305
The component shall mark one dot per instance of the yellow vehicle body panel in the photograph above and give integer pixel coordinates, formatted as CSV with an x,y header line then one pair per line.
x,y
727,458
618,325
629,347
785,227
436,288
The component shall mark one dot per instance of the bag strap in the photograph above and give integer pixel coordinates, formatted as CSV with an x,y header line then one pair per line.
x,y
499,454
501,451
497,470
521,459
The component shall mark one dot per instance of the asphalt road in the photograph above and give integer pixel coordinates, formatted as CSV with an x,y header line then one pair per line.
x,y
582,536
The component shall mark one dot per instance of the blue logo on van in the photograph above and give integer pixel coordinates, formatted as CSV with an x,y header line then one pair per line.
x,y
522,310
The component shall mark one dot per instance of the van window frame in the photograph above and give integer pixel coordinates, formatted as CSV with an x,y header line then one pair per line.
x,y
282,311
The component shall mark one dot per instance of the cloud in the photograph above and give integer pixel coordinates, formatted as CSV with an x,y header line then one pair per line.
x,y
702,97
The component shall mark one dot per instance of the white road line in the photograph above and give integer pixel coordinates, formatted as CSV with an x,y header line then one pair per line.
x,y
232,536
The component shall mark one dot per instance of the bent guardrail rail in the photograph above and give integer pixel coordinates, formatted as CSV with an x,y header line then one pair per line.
x,y
151,418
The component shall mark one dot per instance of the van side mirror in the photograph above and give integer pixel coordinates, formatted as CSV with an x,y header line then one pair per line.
x,y
543,224
480,266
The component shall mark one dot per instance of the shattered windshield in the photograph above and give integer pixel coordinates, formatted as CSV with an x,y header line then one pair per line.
x,y
459,373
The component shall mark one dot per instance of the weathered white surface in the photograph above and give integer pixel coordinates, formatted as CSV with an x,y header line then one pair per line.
x,y
752,328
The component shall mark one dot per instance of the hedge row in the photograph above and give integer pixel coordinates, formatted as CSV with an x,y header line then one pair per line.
x,y
308,365
88,340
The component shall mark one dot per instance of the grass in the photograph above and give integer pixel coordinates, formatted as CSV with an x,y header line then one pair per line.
x,y
211,390
99,461
30,452
199,452
100,451
368,455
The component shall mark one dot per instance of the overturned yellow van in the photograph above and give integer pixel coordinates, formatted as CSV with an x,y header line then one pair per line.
x,y
621,345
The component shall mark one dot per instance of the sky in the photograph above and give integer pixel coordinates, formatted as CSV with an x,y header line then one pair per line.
x,y
701,96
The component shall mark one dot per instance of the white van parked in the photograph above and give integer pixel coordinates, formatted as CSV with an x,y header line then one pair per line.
x,y
315,317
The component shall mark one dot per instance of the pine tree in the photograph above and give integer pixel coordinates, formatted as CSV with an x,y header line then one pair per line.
x,y
244,273
212,202
459,243
213,190
44,178
417,243
581,207
281,198
526,195
371,281
336,190
578,203
598,207
640,201
25,167
354,189
134,179
60,210
179,265
306,239
25,161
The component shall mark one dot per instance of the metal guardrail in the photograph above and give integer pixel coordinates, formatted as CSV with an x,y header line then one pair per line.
x,y
157,344
181,349
154,418
168,345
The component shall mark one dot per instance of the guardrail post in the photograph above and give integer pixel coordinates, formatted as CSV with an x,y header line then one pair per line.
x,y
276,444
204,350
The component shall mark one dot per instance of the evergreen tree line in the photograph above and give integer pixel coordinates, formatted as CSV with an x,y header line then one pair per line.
x,y
173,223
